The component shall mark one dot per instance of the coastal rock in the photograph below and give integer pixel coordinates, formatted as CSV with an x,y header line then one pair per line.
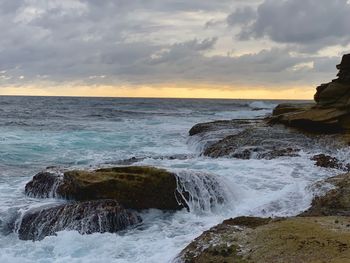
x,y
335,202
85,217
337,92
134,187
325,239
330,113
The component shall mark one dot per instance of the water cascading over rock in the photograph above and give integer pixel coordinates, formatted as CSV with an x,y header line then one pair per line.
x,y
85,217
205,193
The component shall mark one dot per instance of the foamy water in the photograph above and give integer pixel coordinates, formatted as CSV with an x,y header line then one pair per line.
x,y
78,133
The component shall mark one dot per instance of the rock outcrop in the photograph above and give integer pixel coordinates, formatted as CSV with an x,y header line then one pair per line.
x,y
134,187
330,113
85,217
337,92
254,240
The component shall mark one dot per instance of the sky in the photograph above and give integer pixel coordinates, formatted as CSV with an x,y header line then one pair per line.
x,y
271,49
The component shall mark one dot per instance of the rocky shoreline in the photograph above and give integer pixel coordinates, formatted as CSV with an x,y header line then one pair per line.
x,y
110,199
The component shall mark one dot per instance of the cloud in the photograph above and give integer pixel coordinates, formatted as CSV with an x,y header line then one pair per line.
x,y
160,41
310,24
242,16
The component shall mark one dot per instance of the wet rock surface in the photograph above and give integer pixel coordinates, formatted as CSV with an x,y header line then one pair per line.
x,y
134,187
325,239
43,185
85,217
328,161
251,139
259,143
335,202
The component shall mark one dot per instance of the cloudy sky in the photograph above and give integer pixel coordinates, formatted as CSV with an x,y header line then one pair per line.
x,y
171,48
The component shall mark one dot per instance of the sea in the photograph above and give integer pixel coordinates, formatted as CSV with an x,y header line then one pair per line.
x,y
88,133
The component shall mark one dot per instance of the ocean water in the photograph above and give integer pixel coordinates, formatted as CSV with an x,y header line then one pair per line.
x,y
85,133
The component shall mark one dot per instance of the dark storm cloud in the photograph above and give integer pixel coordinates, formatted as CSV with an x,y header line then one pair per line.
x,y
156,41
311,24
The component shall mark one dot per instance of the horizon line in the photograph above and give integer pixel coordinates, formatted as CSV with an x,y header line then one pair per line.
x,y
126,97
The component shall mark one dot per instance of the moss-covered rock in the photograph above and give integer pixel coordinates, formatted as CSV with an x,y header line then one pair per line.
x,y
323,239
134,187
